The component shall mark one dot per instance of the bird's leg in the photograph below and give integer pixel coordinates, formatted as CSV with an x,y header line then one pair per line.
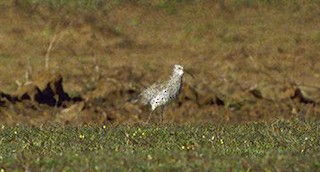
x,y
162,113
149,117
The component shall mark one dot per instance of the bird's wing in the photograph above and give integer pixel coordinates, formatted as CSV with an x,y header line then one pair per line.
x,y
150,92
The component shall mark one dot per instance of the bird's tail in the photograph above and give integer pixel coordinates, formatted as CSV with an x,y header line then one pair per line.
x,y
135,99
139,99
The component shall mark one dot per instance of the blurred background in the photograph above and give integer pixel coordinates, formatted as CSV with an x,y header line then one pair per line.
x,y
81,61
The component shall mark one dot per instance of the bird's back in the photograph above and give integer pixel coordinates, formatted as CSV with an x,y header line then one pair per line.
x,y
166,93
162,93
146,96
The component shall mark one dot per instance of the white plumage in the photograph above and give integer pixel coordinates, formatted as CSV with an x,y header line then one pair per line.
x,y
158,95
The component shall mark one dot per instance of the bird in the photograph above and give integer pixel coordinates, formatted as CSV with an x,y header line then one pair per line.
x,y
161,94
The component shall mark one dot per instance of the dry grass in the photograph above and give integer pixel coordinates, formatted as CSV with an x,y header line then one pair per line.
x,y
264,45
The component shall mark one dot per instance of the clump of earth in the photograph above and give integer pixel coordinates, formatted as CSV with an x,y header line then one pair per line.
x,y
44,100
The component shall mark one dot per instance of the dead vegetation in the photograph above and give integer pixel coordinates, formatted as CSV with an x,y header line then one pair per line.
x,y
83,65
110,102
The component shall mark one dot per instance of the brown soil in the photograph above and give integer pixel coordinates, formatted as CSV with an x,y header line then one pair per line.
x,y
250,63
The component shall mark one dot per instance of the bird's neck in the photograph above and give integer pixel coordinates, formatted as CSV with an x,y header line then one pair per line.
x,y
176,77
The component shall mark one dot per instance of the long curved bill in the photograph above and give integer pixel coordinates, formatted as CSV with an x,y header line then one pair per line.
x,y
188,72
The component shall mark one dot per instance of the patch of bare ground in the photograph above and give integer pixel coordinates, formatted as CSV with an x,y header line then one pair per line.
x,y
251,62
45,101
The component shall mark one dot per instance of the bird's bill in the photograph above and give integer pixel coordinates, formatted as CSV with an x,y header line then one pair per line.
x,y
188,72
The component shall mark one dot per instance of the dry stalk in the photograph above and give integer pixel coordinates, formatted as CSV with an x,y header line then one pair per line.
x,y
47,56
96,69
28,70
261,69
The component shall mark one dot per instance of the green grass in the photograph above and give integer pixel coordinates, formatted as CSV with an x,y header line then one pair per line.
x,y
282,145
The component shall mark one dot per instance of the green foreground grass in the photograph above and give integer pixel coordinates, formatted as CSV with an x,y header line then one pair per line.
x,y
282,145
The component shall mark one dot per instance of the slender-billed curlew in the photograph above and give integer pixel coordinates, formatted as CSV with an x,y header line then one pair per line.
x,y
160,94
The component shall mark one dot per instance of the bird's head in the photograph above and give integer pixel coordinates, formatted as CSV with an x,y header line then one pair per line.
x,y
178,70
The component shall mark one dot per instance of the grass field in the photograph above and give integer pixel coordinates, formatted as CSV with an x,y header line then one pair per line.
x,y
277,146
